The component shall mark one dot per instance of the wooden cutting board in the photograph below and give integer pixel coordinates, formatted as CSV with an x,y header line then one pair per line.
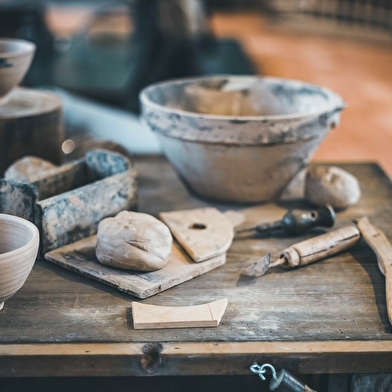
x,y
80,257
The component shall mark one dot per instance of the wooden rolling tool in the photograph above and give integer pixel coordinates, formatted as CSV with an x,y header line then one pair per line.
x,y
377,240
307,251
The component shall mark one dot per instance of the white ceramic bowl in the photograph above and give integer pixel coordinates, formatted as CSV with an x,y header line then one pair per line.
x,y
19,241
239,138
15,59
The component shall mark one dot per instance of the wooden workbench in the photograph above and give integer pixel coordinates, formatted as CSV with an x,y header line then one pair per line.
x,y
328,317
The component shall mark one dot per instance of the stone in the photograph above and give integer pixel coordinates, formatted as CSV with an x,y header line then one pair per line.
x,y
331,185
134,241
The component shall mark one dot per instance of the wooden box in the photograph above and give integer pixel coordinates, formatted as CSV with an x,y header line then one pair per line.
x,y
68,202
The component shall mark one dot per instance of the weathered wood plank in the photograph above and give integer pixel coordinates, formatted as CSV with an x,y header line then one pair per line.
x,y
17,198
68,202
80,257
69,217
103,163
60,179
246,383
203,358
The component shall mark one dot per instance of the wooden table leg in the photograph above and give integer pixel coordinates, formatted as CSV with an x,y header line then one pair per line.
x,y
339,383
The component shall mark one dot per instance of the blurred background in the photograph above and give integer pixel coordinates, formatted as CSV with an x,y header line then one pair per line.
x,y
98,55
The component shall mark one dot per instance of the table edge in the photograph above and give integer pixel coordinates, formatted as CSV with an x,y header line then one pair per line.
x,y
185,358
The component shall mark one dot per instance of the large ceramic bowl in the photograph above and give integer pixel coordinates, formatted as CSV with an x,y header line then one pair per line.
x,y
15,59
19,241
239,138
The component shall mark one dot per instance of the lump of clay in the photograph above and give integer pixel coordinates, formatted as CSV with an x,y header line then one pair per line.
x,y
135,241
331,185
27,167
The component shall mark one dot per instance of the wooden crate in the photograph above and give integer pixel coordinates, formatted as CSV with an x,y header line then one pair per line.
x,y
67,202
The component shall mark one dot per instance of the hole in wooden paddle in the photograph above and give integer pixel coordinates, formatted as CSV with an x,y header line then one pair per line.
x,y
198,226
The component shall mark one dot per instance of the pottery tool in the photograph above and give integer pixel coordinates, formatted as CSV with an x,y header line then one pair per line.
x,y
308,251
153,317
296,222
377,240
203,232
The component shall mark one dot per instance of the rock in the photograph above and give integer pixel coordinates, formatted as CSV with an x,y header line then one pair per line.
x,y
26,168
331,185
135,241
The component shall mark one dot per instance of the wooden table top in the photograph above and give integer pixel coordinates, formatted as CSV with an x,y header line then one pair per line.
x,y
328,317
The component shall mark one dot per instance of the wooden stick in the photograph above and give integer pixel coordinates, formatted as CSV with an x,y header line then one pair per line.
x,y
377,240
153,317
321,246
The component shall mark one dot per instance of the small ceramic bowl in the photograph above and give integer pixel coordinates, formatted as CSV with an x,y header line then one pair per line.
x,y
19,242
15,59
239,138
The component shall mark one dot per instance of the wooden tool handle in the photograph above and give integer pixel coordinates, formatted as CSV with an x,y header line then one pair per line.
x,y
321,246
377,240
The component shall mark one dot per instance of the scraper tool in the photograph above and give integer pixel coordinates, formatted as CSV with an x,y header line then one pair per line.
x,y
308,251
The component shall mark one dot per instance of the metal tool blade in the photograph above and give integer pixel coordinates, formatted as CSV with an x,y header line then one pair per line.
x,y
258,268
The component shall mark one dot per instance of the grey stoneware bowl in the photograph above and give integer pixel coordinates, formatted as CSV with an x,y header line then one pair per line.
x,y
239,138
19,242
15,59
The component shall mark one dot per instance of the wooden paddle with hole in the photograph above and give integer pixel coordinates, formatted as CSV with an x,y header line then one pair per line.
x,y
377,240
203,232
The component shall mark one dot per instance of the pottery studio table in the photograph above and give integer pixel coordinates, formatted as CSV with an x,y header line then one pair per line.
x,y
326,318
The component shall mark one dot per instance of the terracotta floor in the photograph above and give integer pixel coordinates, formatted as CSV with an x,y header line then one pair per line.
x,y
359,70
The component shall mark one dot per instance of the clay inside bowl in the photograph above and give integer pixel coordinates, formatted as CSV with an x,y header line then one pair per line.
x,y
241,96
239,138
15,59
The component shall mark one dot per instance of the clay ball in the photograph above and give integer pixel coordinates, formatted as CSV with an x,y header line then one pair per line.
x,y
331,185
26,168
134,241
